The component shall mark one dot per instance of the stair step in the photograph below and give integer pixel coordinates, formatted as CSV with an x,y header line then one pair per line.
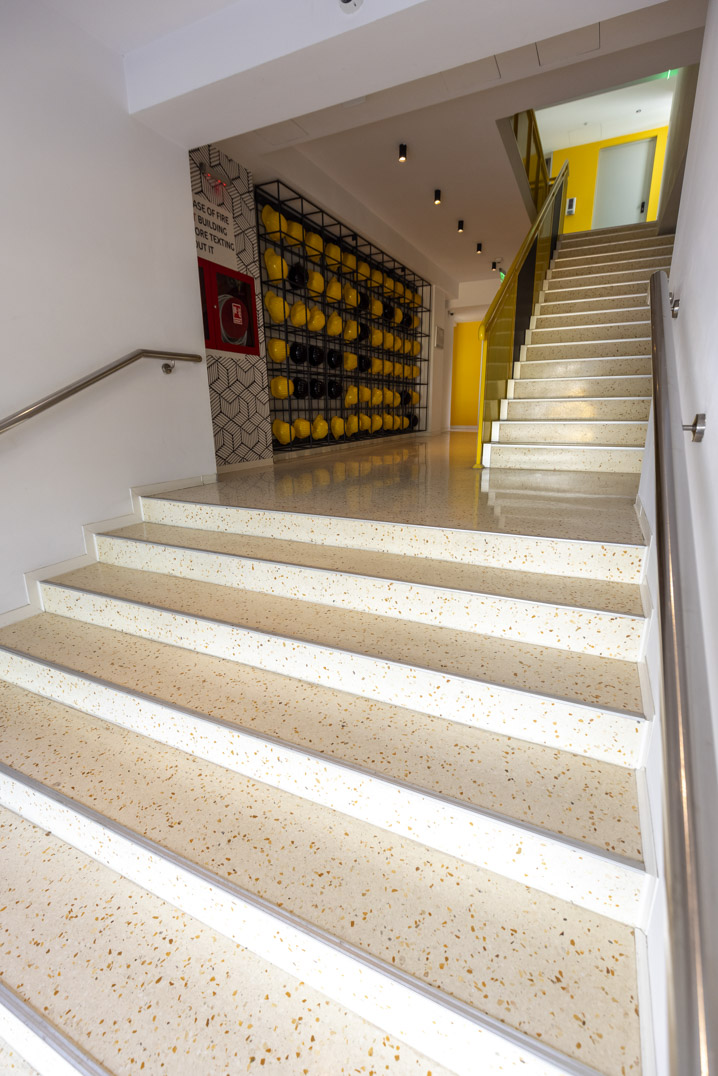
x,y
260,864
617,254
564,457
421,590
617,330
592,317
615,246
605,280
624,231
566,291
604,409
497,684
590,301
574,432
586,349
565,487
577,388
619,366
143,985
600,267
528,551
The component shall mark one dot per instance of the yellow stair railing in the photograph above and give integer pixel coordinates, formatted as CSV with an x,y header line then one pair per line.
x,y
503,329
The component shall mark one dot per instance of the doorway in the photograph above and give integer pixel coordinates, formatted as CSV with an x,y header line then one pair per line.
x,y
623,183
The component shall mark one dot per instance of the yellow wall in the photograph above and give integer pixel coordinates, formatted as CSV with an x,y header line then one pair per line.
x,y
583,168
465,375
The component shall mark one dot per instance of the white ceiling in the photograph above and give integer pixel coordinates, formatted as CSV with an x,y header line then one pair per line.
x,y
628,110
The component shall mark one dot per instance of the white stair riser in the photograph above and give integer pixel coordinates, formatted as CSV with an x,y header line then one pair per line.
x,y
423,1023
588,302
591,349
580,388
603,255
610,235
564,267
607,409
608,318
570,433
601,279
547,555
577,333
558,458
622,366
553,866
573,727
567,292
531,622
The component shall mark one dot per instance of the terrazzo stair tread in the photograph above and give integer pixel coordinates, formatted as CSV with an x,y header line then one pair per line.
x,y
536,963
604,279
611,255
587,304
581,333
627,314
592,266
557,457
12,1064
585,800
142,985
607,682
617,488
623,231
575,388
570,432
587,349
563,292
598,366
602,408
503,582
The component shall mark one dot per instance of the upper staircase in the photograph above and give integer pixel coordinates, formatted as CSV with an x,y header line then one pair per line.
x,y
583,381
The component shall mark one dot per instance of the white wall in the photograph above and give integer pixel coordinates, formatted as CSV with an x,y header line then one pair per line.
x,y
440,364
694,279
98,258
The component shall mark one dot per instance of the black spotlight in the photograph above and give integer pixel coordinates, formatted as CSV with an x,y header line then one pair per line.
x,y
402,151
437,197
493,267
479,247
460,227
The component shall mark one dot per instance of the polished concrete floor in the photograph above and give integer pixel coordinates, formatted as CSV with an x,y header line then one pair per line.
x,y
431,480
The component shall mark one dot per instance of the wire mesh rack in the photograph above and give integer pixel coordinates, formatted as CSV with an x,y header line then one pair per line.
x,y
346,326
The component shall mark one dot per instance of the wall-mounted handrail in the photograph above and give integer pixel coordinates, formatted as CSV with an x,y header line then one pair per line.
x,y
491,314
690,804
169,357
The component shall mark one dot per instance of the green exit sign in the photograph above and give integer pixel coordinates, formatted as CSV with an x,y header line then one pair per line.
x,y
502,274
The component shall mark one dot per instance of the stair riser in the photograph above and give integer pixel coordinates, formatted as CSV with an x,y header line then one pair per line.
x,y
555,723
566,292
592,349
611,235
534,622
598,317
30,1045
592,368
579,388
416,1018
578,333
584,302
555,282
546,863
599,410
557,458
568,267
610,256
550,556
631,434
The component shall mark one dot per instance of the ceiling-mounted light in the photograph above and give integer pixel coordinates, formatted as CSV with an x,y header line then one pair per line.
x,y
493,266
461,226
402,151
479,247
437,197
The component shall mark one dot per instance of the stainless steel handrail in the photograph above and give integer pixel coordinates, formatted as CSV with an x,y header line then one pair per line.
x,y
53,398
690,781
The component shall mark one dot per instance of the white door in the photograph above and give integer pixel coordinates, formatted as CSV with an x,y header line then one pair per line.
x,y
623,183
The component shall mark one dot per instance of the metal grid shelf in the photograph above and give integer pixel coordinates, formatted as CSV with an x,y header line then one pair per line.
x,y
377,386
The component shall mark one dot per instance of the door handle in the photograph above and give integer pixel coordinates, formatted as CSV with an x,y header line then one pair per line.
x,y
643,208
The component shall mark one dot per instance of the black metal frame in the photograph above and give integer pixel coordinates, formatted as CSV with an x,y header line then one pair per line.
x,y
413,417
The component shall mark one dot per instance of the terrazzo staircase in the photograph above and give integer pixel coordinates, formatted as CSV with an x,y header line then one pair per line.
x,y
580,395
320,795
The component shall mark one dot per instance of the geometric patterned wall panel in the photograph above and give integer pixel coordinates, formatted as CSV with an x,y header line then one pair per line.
x,y
238,389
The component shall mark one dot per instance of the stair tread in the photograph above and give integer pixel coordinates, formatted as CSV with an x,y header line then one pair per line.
x,y
12,1064
584,799
137,982
513,953
506,582
541,669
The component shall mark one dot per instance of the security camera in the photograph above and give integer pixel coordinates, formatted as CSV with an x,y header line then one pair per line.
x,y
350,6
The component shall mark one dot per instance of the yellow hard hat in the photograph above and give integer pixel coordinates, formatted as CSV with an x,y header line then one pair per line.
x,y
364,394
377,337
277,308
274,222
334,291
349,261
351,396
351,425
315,320
350,330
376,423
277,268
388,284
387,421
388,397
281,387
404,423
298,314
314,244
294,233
408,344
388,340
334,325
315,283
387,368
351,297
377,278
337,425
333,256
377,308
277,350
398,343
363,271
350,361
364,422
301,428
320,429
283,431
398,315
377,366
398,288
396,420
376,397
